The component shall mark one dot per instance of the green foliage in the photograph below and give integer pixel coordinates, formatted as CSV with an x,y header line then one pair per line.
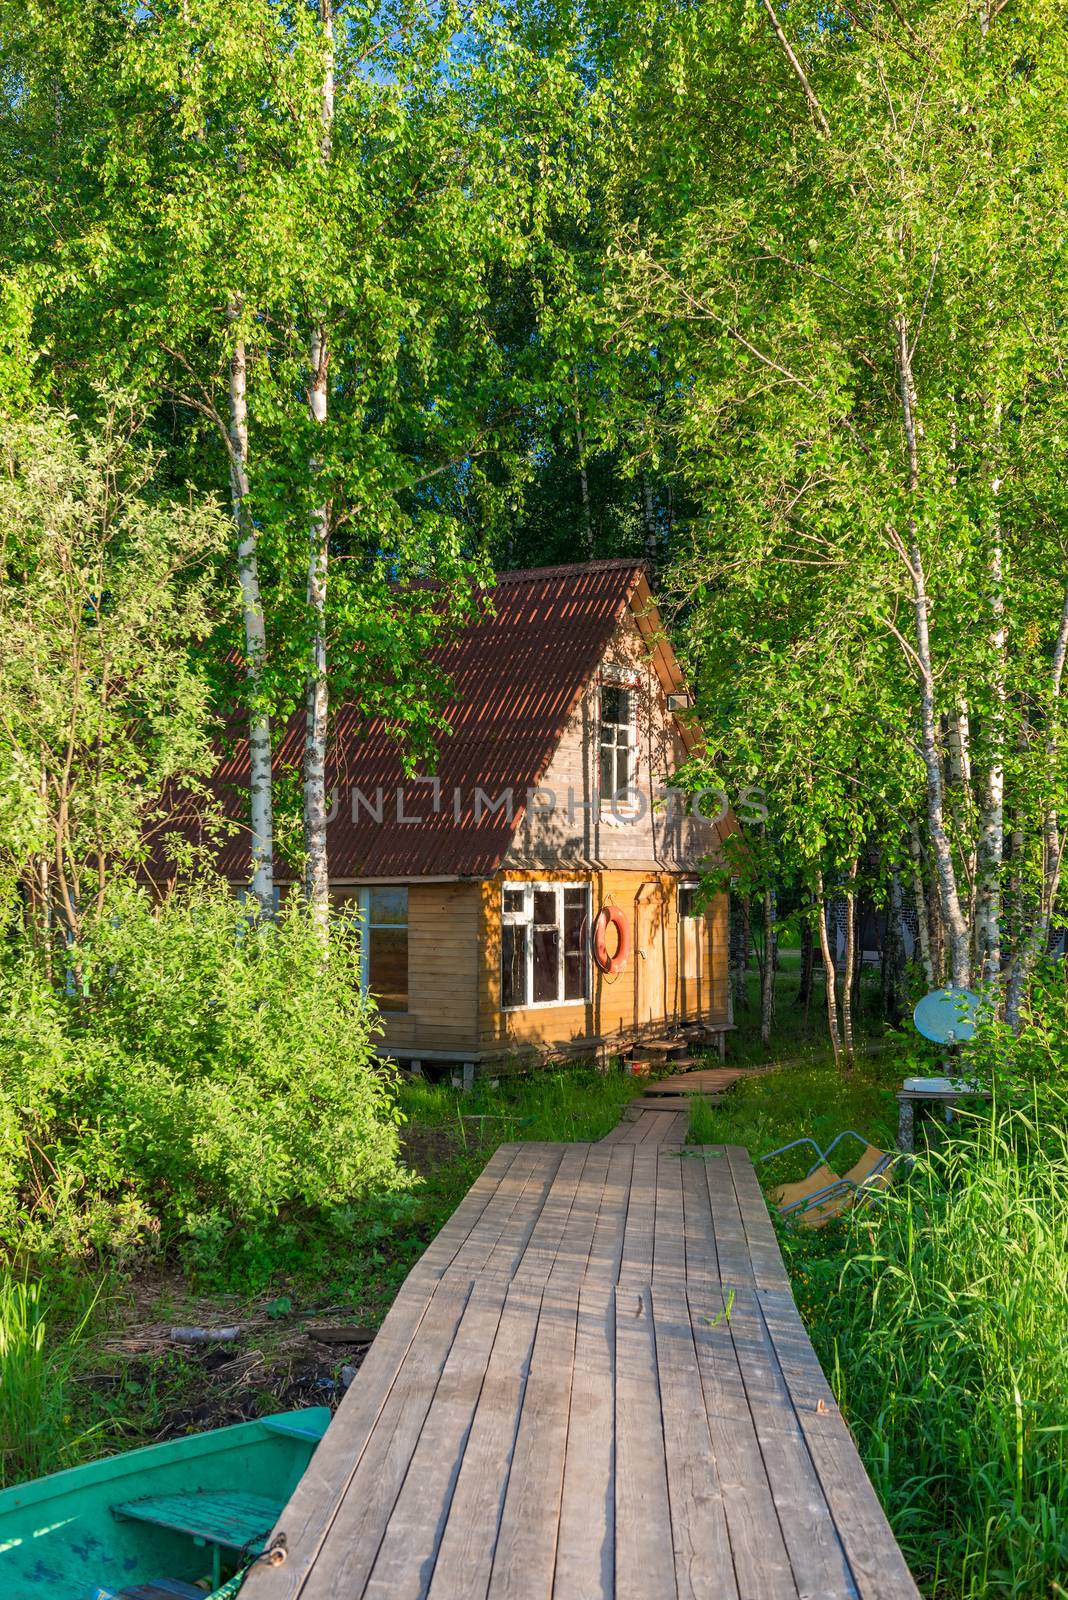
x,y
1037,1054
204,1083
105,588
36,1435
940,1314
941,1317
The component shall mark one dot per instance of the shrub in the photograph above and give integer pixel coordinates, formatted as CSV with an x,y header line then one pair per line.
x,y
200,1076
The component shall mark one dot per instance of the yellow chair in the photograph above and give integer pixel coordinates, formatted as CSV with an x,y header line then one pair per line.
x,y
821,1194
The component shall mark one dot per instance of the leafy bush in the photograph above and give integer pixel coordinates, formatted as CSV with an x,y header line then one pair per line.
x,y
945,1327
1038,1052
199,1077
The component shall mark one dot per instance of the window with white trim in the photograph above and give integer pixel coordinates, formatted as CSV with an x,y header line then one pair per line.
x,y
544,944
618,736
383,922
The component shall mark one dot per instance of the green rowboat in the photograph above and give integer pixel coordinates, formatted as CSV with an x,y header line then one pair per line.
x,y
170,1522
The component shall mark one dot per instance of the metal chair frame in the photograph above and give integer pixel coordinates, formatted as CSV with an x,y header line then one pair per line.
x,y
818,1196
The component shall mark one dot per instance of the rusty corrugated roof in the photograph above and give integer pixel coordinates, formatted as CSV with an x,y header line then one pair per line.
x,y
516,671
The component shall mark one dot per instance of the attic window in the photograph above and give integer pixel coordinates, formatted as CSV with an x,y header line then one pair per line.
x,y
618,740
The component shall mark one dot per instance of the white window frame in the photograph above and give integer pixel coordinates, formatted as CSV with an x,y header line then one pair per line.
x,y
525,918
619,678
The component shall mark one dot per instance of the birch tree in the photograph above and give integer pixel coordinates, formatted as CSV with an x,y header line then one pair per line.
x,y
308,234
105,590
854,280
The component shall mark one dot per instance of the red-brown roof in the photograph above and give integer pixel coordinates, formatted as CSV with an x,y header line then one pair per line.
x,y
517,672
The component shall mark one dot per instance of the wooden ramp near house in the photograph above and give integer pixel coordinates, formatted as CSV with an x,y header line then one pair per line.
x,y
594,1383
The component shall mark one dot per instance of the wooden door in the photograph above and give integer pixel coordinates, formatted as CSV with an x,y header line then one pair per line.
x,y
650,955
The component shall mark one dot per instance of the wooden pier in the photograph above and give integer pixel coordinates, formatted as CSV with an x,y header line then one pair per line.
x,y
594,1383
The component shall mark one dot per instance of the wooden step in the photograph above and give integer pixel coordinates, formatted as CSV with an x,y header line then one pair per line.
x,y
669,1048
677,1102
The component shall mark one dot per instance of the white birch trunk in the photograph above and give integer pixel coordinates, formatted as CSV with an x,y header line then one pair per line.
x,y
848,1047
828,972
992,820
317,706
953,916
920,898
261,801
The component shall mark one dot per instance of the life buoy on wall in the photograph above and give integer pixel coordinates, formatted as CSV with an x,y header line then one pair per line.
x,y
611,917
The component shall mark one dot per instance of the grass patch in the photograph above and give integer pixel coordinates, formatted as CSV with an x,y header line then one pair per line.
x,y
37,1362
817,1101
67,1392
941,1318
796,1034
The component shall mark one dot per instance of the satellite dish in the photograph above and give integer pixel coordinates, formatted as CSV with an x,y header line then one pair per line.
x,y
947,1016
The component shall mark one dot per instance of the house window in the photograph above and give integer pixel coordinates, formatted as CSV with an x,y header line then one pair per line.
x,y
544,944
383,921
688,906
619,739
386,961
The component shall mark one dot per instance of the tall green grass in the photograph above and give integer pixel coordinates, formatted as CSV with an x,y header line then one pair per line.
x,y
943,1322
37,1430
815,1101
577,1103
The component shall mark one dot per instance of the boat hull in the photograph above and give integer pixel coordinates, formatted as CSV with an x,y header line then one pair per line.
x,y
60,1536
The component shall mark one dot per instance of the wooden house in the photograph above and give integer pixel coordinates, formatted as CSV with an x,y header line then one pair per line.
x,y
488,890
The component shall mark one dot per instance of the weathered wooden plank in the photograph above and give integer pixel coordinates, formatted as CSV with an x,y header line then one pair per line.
x,y
571,1262
879,1569
585,1553
761,1561
509,1216
344,1562
637,1257
465,1555
699,1234
819,1562
704,1565
509,1249
606,1248
525,1557
669,1226
316,1522
769,1269
731,1247
645,1563
595,1383
546,1236
485,1191
405,1560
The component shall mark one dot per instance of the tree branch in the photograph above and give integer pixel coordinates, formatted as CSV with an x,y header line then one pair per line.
x,y
799,72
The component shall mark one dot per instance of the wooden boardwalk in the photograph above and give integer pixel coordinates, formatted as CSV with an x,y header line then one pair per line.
x,y
594,1383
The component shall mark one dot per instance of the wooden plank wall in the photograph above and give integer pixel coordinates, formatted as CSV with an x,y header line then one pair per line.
x,y
659,839
443,969
619,1004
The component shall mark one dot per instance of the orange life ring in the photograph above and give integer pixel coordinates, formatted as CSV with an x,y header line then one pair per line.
x,y
611,916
